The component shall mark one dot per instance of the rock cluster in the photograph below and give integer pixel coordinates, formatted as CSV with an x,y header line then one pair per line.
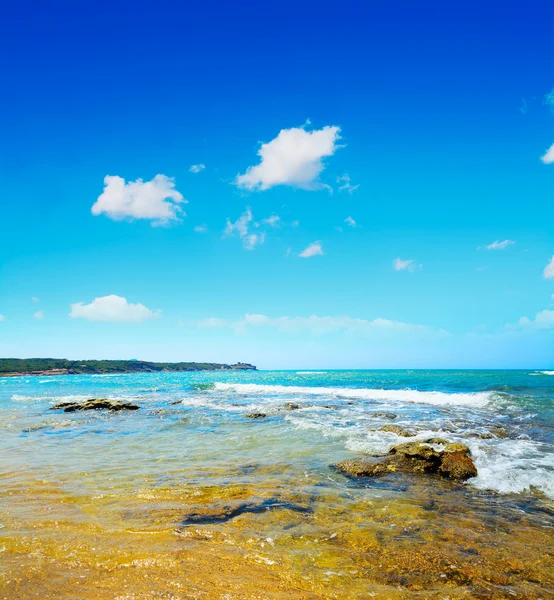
x,y
432,456
95,404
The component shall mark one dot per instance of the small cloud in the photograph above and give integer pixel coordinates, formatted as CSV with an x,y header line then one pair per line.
x,y
197,168
272,221
497,245
2,318
241,227
549,270
156,200
314,249
523,107
113,309
350,221
201,228
288,251
39,314
549,100
295,224
548,157
405,265
543,320
211,323
346,184
34,299
293,158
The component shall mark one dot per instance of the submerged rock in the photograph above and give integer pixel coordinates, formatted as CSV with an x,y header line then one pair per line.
x,y
95,404
432,456
384,415
291,406
397,429
256,416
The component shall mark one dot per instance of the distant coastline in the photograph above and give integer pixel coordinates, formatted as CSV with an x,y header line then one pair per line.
x,y
16,367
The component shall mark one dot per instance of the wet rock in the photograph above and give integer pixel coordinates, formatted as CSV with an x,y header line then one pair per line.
x,y
291,406
364,468
256,416
385,415
432,456
95,404
397,429
499,431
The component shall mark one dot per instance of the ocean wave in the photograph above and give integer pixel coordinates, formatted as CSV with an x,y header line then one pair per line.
x,y
413,396
311,372
74,398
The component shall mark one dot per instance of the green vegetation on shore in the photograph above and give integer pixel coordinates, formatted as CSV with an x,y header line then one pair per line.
x,y
62,366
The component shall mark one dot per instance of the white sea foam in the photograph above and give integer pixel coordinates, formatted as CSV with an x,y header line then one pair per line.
x,y
21,398
436,398
546,372
311,372
512,466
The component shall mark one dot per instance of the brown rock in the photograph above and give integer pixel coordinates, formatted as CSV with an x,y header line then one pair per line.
x,y
95,404
256,416
397,429
432,456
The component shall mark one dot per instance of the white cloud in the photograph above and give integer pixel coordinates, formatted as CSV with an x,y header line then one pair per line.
x,y
404,265
548,157
317,325
39,314
211,323
241,227
2,318
549,100
294,158
201,228
346,185
314,249
197,168
350,221
156,200
549,270
34,299
112,309
543,320
272,221
497,245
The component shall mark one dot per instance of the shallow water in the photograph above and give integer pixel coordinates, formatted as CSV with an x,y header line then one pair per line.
x,y
187,498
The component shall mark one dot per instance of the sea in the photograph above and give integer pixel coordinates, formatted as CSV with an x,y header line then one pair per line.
x,y
223,485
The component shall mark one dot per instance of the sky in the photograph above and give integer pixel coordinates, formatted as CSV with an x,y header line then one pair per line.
x,y
292,184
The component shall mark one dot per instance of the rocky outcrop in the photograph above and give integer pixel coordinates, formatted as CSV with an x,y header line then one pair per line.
x,y
256,416
384,415
432,456
95,404
397,429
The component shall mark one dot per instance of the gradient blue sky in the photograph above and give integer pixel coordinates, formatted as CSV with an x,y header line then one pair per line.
x,y
443,115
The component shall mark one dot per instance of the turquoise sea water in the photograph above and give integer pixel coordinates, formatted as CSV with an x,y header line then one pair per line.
x,y
198,419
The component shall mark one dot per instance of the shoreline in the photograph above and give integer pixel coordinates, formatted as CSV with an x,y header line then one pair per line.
x,y
40,367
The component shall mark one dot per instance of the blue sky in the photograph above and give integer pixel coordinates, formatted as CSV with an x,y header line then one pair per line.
x,y
432,119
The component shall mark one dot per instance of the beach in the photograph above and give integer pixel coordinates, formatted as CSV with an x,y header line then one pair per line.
x,y
188,497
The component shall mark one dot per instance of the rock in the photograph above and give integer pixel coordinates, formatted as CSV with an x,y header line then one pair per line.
x,y
256,416
95,404
499,431
397,429
385,415
432,456
457,466
291,406
364,468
